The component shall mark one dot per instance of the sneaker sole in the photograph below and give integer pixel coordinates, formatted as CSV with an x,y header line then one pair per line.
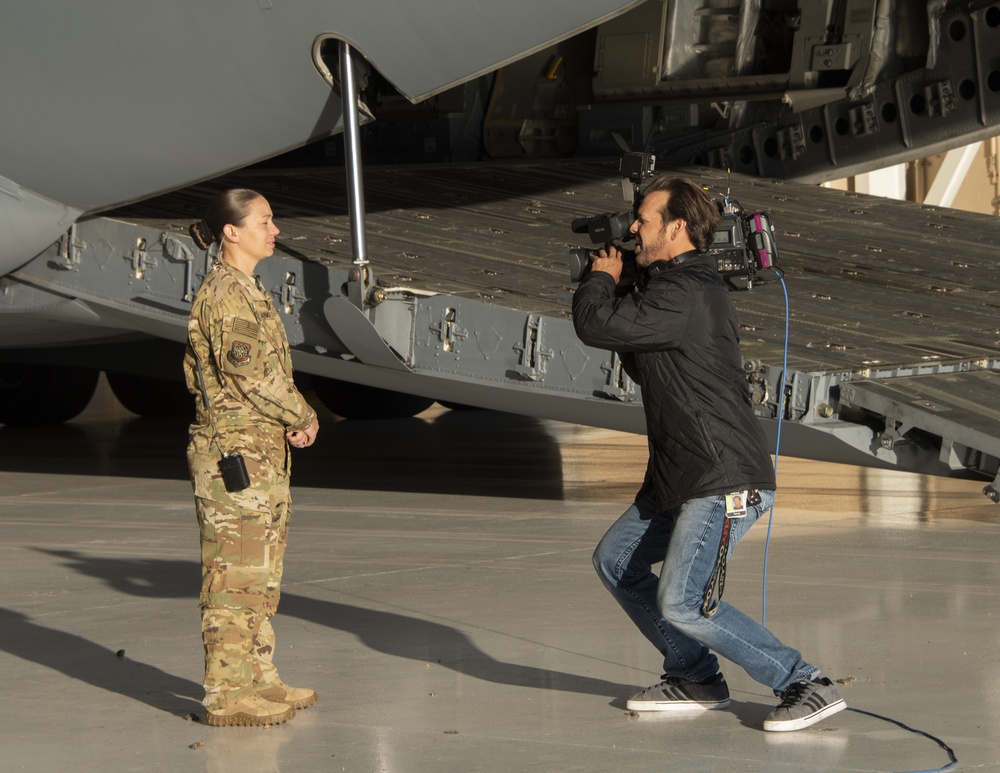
x,y
676,705
248,720
778,726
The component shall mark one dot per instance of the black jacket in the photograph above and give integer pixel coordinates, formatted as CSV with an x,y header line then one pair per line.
x,y
679,339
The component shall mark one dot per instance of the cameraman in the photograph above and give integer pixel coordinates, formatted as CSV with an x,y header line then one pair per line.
x,y
677,334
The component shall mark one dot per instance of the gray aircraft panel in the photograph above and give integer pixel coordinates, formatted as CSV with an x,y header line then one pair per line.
x,y
950,405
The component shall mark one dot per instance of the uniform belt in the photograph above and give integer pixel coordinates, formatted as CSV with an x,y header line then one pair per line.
x,y
239,419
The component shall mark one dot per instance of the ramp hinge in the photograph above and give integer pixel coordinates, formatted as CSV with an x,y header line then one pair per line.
x,y
290,294
619,385
140,259
448,331
177,251
68,256
532,355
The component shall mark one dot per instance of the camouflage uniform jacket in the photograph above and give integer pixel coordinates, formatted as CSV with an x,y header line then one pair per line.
x,y
238,337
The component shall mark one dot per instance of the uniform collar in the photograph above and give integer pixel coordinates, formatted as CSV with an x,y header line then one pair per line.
x,y
249,282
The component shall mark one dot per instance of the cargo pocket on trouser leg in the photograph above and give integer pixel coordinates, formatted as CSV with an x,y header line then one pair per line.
x,y
237,549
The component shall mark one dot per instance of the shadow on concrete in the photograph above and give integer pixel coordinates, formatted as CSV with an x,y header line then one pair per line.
x,y
477,453
402,636
82,659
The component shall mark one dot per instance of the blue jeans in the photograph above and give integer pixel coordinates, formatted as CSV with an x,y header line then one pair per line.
x,y
667,609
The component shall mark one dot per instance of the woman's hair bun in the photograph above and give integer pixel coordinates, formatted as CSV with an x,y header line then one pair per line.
x,y
201,234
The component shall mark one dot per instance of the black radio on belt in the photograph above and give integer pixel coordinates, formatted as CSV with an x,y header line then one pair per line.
x,y
234,472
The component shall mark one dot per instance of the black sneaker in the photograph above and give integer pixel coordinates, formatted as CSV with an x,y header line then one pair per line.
x,y
804,703
676,694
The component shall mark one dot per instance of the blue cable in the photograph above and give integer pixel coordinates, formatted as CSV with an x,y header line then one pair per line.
x,y
780,398
767,545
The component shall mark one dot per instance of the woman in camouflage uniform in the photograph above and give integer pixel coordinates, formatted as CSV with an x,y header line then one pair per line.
x,y
238,357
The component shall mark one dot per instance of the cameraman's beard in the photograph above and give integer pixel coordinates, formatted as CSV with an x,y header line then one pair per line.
x,y
650,253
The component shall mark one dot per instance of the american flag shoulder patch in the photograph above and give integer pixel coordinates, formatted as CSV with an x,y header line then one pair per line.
x,y
245,327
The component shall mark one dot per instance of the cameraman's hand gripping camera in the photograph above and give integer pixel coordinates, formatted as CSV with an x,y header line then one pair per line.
x,y
609,228
743,247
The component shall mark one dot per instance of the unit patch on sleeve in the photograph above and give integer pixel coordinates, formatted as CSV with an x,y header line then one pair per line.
x,y
239,353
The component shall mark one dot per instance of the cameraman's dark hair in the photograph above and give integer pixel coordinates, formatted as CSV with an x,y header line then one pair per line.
x,y
228,208
687,202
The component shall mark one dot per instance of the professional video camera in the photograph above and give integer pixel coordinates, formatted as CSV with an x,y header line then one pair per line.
x,y
635,169
744,243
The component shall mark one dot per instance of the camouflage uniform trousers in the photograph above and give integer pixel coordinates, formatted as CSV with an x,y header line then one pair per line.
x,y
242,552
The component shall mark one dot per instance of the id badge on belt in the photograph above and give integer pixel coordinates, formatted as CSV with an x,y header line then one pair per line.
x,y
738,501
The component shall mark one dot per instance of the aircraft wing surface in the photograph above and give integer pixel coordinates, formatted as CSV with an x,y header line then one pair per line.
x,y
108,102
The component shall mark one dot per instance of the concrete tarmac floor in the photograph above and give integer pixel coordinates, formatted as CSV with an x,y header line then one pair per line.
x,y
439,596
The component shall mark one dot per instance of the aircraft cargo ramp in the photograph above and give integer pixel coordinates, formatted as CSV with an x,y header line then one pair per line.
x,y
893,340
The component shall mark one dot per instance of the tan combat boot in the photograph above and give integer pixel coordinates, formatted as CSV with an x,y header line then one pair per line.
x,y
252,711
296,697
